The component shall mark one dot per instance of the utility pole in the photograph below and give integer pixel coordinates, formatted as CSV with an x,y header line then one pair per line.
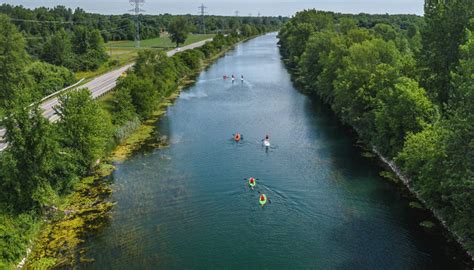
x,y
138,4
203,12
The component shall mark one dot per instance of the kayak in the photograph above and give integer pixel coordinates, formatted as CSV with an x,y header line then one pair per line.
x,y
252,182
237,137
266,143
263,199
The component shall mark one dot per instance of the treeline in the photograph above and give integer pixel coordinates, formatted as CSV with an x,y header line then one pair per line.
x,y
74,39
406,85
19,72
45,160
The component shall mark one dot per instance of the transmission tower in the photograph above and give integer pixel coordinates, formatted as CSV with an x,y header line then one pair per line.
x,y
237,13
138,4
202,9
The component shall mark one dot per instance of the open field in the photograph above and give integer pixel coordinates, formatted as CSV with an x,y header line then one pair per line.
x,y
161,42
124,52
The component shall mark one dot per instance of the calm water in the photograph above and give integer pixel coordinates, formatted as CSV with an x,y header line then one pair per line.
x,y
188,207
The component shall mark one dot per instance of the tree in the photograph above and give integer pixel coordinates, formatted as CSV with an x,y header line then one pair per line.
x,y
123,107
84,128
368,68
58,50
88,45
179,29
49,78
29,161
404,108
143,94
441,38
385,31
13,60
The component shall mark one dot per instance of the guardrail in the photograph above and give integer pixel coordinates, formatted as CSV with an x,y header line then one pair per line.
x,y
60,91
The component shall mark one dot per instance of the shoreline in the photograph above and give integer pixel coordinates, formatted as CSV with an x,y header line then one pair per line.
x,y
403,181
406,183
50,241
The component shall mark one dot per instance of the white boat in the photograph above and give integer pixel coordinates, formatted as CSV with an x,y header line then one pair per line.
x,y
266,143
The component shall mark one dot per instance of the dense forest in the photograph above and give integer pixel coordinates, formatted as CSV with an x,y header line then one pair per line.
x,y
73,38
45,161
406,85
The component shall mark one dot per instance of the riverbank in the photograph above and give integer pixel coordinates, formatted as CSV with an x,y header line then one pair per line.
x,y
370,87
395,175
87,210
407,184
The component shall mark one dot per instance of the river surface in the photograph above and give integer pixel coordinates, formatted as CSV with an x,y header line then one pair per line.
x,y
188,207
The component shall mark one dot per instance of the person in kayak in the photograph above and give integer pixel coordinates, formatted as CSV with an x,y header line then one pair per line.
x,y
225,77
266,140
262,199
252,182
237,137
233,78
242,78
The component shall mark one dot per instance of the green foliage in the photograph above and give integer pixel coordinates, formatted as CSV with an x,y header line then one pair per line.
x,y
13,60
49,78
144,96
404,108
58,50
441,37
367,72
28,165
385,32
15,234
84,128
89,49
179,29
369,67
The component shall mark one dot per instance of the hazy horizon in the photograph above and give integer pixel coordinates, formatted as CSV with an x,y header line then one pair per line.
x,y
228,7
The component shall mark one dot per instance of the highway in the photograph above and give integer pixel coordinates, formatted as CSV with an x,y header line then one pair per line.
x,y
98,87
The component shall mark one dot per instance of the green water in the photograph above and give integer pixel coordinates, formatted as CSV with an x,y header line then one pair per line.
x,y
188,207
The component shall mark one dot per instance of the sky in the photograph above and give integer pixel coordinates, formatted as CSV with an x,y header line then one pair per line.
x,y
228,7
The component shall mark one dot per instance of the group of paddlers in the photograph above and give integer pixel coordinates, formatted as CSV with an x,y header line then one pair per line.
x,y
233,78
252,182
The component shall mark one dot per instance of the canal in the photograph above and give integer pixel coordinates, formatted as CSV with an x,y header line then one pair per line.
x,y
188,207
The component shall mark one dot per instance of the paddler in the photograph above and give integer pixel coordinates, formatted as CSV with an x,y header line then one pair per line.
x,y
237,137
252,182
262,200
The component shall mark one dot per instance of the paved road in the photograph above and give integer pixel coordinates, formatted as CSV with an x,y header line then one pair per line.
x,y
98,86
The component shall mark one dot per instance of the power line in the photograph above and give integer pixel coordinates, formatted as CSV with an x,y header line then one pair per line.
x,y
138,4
203,12
36,21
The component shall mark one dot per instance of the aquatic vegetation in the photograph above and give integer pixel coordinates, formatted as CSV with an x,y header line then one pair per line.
x,y
390,176
428,225
417,205
87,211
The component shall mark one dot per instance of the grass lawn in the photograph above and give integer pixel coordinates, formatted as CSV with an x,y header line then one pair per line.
x,y
124,52
161,42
